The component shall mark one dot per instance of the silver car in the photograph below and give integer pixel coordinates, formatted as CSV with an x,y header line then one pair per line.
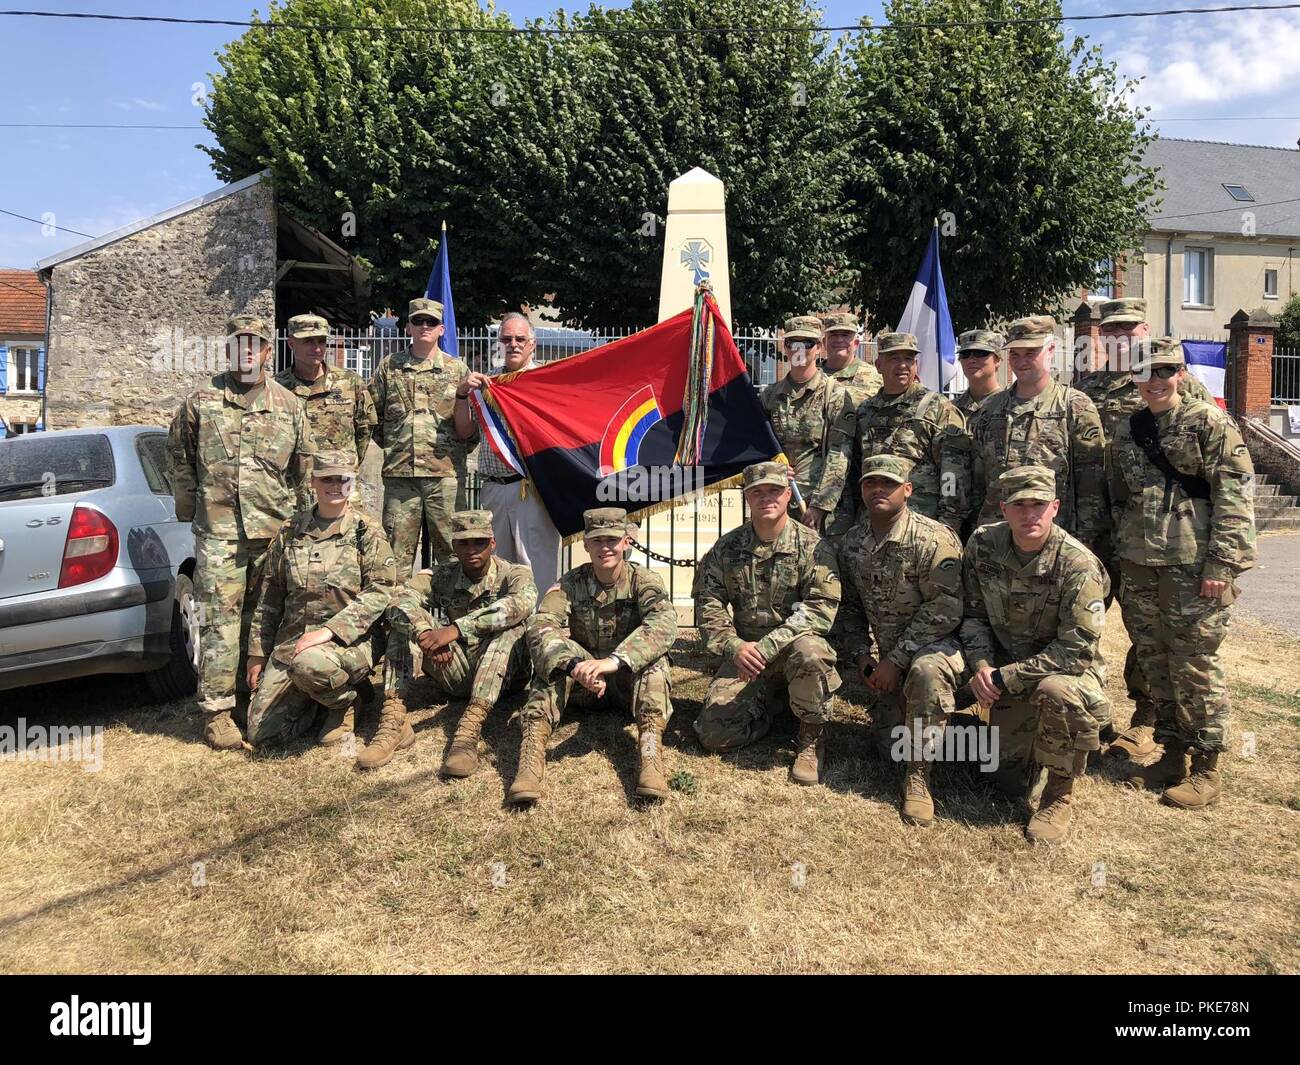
x,y
96,573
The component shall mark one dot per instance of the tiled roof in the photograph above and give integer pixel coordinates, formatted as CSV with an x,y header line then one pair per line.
x,y
1196,201
22,302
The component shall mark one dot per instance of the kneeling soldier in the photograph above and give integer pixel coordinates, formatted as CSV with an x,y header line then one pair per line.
x,y
328,579
1035,607
608,626
902,584
783,586
467,618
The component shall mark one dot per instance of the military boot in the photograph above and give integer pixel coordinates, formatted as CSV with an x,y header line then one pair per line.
x,y
338,724
1170,768
221,732
462,756
1138,740
810,753
527,785
650,780
1201,787
918,805
1051,822
392,734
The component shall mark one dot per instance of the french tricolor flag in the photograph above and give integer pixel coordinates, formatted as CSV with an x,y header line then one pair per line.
x,y
926,317
1207,361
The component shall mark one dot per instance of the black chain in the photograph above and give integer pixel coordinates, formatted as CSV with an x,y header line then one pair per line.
x,y
663,558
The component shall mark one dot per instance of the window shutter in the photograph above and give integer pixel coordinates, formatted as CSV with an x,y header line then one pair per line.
x,y
4,369
40,369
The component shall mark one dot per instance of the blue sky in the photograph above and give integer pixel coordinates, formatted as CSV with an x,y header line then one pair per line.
x,y
1199,71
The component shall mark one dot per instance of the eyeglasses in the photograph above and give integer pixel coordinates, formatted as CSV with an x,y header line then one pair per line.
x,y
508,341
423,323
1164,372
974,354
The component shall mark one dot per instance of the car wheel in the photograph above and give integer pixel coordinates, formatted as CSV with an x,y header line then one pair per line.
x,y
180,676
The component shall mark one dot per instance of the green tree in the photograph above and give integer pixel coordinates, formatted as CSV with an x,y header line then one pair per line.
x,y
1025,148
1288,326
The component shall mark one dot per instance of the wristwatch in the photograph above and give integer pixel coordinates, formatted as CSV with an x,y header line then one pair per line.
x,y
997,679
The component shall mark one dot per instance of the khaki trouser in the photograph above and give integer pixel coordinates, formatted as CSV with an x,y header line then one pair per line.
x,y
284,702
524,531
228,578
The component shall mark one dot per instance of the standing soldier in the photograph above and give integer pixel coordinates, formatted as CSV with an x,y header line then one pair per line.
x,y
906,418
902,584
328,579
239,458
781,582
1115,394
980,352
338,404
1041,422
607,628
861,381
1034,611
1181,485
415,399
813,420
467,617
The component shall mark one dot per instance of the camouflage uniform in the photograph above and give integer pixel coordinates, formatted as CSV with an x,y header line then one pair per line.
x,y
338,404
861,381
415,400
783,595
956,509
1038,623
814,425
238,460
334,573
1168,541
1059,429
491,656
904,587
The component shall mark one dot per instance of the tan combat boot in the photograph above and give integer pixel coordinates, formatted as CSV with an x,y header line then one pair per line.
x,y
650,780
462,756
1170,768
1199,789
527,785
1051,824
811,751
338,724
918,805
221,732
392,734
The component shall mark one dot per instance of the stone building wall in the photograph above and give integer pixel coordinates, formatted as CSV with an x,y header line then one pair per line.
x,y
137,325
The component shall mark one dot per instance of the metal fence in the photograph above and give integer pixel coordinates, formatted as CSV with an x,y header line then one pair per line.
x,y
1286,376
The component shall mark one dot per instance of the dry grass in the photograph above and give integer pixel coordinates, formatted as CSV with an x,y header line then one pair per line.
x,y
314,867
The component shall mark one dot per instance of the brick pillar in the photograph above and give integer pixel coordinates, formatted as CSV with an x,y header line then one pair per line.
x,y
1087,333
1250,339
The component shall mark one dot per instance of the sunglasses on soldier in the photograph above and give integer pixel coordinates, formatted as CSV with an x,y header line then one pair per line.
x,y
421,321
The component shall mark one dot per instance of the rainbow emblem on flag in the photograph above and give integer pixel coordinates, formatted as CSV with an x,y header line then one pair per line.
x,y
622,440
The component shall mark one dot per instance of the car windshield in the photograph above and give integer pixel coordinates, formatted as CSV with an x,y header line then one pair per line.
x,y
54,465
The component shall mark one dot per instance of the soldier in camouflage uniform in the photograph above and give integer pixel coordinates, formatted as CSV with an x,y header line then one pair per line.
x,y
1034,611
602,633
466,618
980,352
861,381
1041,422
1115,395
902,584
1182,487
783,587
905,418
328,578
414,393
813,419
338,404
239,455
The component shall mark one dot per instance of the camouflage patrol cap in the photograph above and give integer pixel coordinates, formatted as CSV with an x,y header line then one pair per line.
x,y
844,322
423,305
605,521
334,464
894,468
1036,483
308,325
1124,312
777,473
1157,351
247,324
981,340
1031,332
886,343
471,525
803,327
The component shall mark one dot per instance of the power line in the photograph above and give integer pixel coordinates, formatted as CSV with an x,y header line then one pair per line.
x,y
1245,205
86,125
15,214
326,27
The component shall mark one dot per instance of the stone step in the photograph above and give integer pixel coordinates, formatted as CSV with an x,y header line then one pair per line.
x,y
1272,504
1266,489
1286,521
